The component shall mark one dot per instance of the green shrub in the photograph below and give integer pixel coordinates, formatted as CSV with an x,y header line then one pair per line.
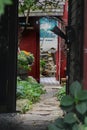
x,y
42,63
23,105
25,60
75,107
29,89
61,93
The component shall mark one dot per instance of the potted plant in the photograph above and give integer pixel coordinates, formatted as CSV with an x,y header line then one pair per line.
x,y
24,62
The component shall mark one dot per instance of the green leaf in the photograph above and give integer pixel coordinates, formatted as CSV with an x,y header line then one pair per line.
x,y
85,128
1,9
79,127
67,101
70,118
82,127
76,127
85,120
2,5
53,127
67,109
81,108
82,95
59,123
7,1
75,88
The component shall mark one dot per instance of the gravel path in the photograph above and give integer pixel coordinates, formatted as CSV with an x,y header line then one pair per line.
x,y
43,113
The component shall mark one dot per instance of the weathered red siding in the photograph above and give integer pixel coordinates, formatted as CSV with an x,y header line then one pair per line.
x,y
65,14
60,59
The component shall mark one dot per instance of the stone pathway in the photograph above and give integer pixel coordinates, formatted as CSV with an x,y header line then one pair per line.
x,y
43,113
49,81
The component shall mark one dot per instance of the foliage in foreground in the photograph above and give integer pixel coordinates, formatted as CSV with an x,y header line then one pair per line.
x,y
3,3
75,107
29,90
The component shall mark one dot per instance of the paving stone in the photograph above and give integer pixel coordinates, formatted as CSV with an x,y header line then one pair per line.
x,y
46,108
40,113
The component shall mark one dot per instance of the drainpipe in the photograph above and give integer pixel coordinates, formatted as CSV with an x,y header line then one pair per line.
x,y
59,25
67,70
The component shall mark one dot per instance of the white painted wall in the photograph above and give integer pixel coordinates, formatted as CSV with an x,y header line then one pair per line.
x,y
47,38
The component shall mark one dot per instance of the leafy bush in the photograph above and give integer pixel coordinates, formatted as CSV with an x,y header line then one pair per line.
x,y
42,66
23,105
75,107
42,63
25,60
29,89
61,93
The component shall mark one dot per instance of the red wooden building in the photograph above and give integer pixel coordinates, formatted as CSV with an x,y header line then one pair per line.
x,y
31,42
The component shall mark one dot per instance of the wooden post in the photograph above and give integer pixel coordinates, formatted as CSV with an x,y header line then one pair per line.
x,y
85,47
8,58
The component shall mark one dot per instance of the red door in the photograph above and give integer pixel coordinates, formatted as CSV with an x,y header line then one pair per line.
x,y
30,43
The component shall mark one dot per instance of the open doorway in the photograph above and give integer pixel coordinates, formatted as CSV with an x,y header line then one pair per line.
x,y
48,50
39,40
43,44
